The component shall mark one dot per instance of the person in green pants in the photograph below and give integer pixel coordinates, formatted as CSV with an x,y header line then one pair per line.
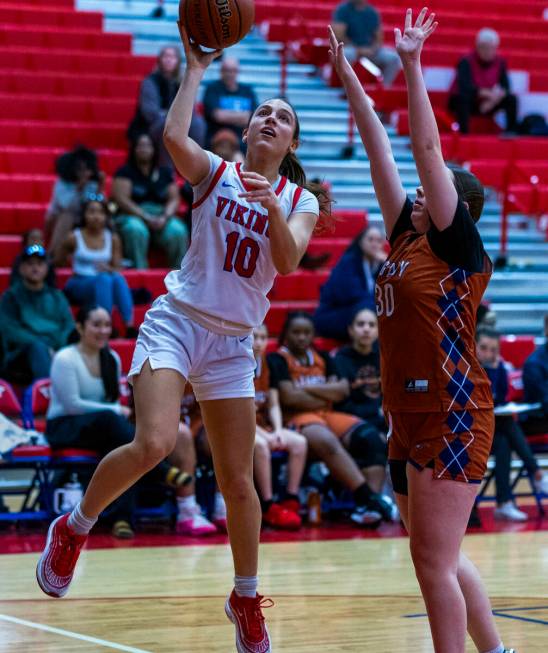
x,y
148,198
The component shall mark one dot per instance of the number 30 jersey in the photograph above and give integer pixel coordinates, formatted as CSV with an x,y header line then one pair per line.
x,y
228,270
427,320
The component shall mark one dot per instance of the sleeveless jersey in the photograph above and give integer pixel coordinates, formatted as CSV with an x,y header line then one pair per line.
x,y
228,270
314,373
262,387
427,320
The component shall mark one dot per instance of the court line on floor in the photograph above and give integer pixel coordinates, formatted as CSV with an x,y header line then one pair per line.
x,y
69,633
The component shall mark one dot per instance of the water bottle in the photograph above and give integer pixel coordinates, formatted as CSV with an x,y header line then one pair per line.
x,y
66,498
314,503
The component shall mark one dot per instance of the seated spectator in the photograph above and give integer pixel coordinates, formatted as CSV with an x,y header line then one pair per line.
x,y
360,364
272,436
508,436
309,385
32,237
36,320
225,144
359,25
96,256
158,90
148,198
228,104
482,86
85,412
78,175
486,317
535,387
351,285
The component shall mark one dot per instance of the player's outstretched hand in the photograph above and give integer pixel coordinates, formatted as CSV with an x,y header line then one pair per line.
x,y
409,46
258,189
195,56
337,56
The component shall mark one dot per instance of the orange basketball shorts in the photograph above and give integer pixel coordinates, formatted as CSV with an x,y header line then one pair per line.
x,y
455,444
339,423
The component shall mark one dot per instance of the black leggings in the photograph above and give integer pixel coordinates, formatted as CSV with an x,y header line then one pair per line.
x,y
103,431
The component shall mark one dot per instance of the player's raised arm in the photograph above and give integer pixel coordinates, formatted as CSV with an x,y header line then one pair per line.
x,y
189,158
439,189
384,172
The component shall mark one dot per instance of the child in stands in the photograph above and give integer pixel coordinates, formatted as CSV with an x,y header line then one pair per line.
x,y
271,436
309,385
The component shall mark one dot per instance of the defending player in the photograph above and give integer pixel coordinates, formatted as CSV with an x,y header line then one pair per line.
x,y
436,396
249,222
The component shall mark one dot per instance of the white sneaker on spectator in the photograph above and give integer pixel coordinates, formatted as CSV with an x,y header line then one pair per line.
x,y
365,517
508,512
219,512
197,525
541,484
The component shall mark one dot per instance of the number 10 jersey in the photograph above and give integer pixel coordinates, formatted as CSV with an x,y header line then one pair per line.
x,y
228,270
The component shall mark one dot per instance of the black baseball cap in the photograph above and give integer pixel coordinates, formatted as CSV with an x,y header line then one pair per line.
x,y
33,250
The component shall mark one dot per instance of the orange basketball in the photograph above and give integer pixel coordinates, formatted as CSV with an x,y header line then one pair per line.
x,y
217,23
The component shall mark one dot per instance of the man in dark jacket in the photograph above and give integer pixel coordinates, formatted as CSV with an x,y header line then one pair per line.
x,y
481,85
36,320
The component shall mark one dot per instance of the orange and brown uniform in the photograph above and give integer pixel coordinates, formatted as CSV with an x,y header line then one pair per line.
x,y
262,387
316,370
427,295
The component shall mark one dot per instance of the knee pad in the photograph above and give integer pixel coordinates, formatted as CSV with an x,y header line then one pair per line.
x,y
367,446
398,475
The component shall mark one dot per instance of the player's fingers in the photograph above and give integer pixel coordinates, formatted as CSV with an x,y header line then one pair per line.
x,y
397,34
420,17
431,29
408,19
429,22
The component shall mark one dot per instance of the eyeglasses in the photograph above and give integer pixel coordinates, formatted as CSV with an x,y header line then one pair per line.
x,y
94,197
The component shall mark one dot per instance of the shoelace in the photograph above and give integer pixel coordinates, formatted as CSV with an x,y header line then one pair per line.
x,y
259,603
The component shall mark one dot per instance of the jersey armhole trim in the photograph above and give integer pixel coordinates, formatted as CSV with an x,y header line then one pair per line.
x,y
218,174
296,197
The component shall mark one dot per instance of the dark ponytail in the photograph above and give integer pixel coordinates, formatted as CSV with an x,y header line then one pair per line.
x,y
107,362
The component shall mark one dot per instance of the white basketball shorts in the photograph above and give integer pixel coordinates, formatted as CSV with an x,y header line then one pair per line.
x,y
218,366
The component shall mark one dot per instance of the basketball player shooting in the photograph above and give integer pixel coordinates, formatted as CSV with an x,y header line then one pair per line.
x,y
250,222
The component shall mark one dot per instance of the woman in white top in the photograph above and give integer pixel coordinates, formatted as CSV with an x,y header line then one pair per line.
x,y
96,255
85,411
250,222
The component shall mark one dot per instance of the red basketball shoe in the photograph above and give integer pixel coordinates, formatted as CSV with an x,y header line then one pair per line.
x,y
247,616
56,565
279,517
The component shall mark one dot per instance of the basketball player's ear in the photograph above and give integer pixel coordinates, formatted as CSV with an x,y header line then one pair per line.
x,y
467,206
244,135
293,147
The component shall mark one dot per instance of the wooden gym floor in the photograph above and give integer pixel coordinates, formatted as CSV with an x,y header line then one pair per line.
x,y
332,595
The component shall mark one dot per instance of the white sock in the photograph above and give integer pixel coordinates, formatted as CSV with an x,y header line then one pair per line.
x,y
79,523
219,507
499,649
246,586
186,507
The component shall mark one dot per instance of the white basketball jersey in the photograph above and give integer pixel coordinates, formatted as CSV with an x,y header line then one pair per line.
x,y
228,270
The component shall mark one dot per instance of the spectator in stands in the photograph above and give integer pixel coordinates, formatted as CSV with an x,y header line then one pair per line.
x,y
482,86
157,92
309,384
85,412
351,285
148,198
359,25
228,104
359,363
32,237
272,436
78,175
225,144
486,316
509,436
96,257
35,320
535,386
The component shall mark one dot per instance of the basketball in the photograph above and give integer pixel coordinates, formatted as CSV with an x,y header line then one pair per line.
x,y
217,23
